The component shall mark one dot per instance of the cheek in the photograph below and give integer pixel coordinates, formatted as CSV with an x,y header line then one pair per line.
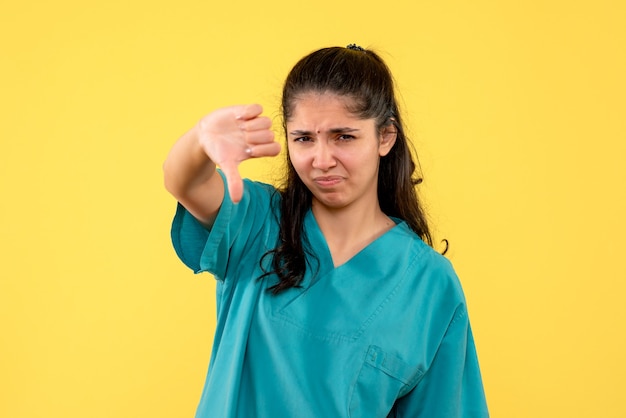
x,y
298,155
298,160
358,159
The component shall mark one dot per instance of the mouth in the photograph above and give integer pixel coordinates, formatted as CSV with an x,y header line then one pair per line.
x,y
327,181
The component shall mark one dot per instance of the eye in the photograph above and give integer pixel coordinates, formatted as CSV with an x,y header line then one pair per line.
x,y
345,137
302,139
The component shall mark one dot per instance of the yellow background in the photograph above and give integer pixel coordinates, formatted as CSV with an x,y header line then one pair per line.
x,y
518,112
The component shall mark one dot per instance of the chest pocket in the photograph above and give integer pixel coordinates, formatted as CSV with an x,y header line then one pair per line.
x,y
341,304
382,380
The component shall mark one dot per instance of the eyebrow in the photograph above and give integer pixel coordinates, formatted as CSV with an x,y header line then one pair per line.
x,y
344,130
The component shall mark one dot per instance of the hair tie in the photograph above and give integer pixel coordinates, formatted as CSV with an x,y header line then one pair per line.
x,y
355,47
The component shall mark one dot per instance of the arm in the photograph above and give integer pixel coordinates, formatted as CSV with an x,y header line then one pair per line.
x,y
225,137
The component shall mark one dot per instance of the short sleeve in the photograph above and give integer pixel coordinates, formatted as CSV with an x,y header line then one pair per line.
x,y
452,386
235,229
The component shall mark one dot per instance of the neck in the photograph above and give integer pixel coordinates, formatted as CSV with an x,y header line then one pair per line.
x,y
345,220
349,230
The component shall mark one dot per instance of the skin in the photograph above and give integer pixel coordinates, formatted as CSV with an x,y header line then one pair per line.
x,y
335,153
224,138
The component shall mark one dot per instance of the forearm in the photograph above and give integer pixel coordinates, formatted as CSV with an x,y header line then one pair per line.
x,y
190,176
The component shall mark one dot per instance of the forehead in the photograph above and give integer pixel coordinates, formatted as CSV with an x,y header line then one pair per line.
x,y
317,107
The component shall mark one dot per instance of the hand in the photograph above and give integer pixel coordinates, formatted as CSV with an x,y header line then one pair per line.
x,y
233,134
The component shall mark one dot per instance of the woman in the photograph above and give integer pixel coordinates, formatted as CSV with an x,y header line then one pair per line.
x,y
330,302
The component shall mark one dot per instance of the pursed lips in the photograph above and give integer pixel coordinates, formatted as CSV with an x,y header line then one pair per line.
x,y
327,181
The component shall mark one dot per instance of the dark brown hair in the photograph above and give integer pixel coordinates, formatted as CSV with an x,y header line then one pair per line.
x,y
364,77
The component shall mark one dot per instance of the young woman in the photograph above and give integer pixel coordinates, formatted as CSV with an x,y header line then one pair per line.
x,y
330,301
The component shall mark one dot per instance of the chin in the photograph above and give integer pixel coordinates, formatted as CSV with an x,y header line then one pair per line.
x,y
331,202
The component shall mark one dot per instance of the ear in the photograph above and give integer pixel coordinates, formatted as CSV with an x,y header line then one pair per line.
x,y
388,135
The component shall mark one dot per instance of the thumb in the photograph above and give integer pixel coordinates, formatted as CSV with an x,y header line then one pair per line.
x,y
233,181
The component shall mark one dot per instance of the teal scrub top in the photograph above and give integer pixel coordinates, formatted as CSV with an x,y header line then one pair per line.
x,y
384,335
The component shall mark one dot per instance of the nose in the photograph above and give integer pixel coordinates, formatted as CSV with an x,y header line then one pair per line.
x,y
323,158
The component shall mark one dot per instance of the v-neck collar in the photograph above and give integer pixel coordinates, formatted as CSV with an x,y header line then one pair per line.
x,y
322,250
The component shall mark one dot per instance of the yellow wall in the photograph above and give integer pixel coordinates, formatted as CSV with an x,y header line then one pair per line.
x,y
518,111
